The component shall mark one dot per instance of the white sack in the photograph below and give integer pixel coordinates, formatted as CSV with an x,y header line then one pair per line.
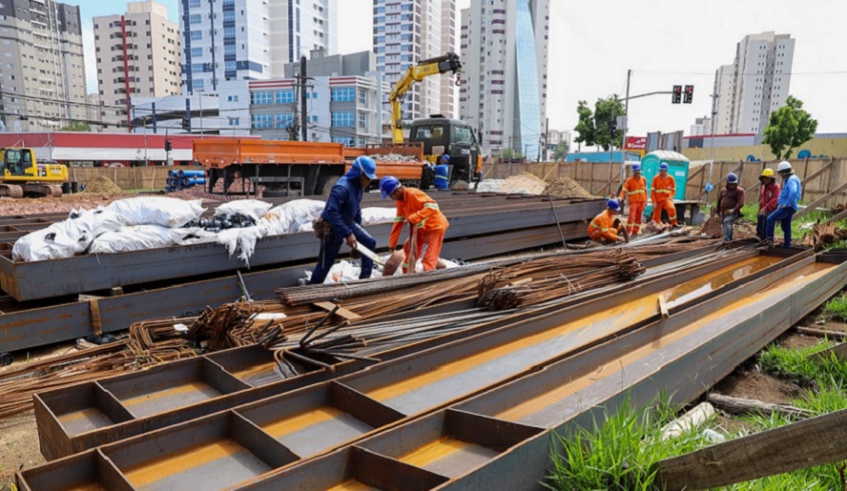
x,y
158,210
252,208
373,215
137,238
289,217
243,239
67,238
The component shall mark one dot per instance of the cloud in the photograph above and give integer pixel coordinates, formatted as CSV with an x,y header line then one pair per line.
x,y
90,56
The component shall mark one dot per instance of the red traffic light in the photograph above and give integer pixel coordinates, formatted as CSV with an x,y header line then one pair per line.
x,y
689,94
677,94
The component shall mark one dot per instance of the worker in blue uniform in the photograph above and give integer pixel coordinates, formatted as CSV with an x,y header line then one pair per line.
x,y
343,212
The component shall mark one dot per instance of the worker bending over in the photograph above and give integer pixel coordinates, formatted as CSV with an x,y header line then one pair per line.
x,y
635,190
605,227
768,200
728,207
422,212
343,212
662,192
789,198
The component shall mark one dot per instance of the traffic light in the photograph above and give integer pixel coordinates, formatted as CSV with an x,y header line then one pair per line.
x,y
689,94
168,146
613,128
186,124
677,94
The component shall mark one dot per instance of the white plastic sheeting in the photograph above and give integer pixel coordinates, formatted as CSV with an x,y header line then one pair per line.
x,y
158,210
68,237
252,208
138,238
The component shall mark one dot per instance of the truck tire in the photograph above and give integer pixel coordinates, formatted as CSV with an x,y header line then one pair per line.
x,y
325,185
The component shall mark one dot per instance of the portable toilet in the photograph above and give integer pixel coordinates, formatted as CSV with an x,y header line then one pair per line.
x,y
677,167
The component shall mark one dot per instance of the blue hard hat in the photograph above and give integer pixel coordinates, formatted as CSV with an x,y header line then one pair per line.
x,y
445,158
731,178
612,204
636,167
366,165
388,185
663,166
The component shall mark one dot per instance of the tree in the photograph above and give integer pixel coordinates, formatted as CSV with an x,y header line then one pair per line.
x,y
603,118
76,126
585,126
789,127
562,151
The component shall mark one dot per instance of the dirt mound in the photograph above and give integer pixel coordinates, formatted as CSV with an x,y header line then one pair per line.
x,y
566,187
523,183
103,185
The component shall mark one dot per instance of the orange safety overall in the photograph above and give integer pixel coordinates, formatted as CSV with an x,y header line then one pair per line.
x,y
662,193
603,229
635,189
417,208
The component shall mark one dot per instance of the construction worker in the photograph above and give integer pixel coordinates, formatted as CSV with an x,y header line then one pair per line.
x,y
422,212
343,212
768,199
606,226
728,207
662,192
635,190
789,198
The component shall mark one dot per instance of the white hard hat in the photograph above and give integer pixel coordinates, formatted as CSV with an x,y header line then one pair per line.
x,y
783,166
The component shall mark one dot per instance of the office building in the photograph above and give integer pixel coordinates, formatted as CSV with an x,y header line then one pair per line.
x,y
42,72
137,57
755,85
406,32
225,40
504,50
701,126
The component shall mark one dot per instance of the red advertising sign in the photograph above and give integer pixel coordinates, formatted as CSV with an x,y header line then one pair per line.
x,y
636,143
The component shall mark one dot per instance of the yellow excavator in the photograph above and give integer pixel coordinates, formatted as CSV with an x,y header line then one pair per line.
x,y
451,137
21,175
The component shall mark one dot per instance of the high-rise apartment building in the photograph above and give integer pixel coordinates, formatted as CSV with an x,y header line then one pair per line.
x,y
504,51
250,39
406,32
42,72
137,56
756,84
701,126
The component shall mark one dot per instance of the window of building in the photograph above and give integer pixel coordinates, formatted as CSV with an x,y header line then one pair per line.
x,y
284,97
196,52
195,36
198,67
229,16
229,50
229,66
343,118
195,18
346,140
194,3
197,84
363,97
262,121
234,121
363,121
232,98
343,94
283,120
229,32
261,98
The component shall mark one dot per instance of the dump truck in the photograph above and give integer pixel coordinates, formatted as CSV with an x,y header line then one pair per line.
x,y
293,168
21,175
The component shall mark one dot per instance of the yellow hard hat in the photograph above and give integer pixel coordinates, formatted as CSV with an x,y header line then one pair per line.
x,y
767,173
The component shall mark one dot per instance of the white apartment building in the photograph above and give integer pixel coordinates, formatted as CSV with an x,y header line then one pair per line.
x,y
138,55
406,32
250,39
701,126
504,45
756,84
42,72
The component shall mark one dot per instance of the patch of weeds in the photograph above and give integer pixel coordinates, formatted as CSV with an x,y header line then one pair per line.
x,y
794,364
836,308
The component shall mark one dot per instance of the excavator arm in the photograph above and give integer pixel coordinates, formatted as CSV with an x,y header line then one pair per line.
x,y
433,66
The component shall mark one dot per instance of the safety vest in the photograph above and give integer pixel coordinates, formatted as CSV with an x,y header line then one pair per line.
x,y
635,189
663,189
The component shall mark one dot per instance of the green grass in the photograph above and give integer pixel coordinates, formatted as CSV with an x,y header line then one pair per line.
x,y
836,308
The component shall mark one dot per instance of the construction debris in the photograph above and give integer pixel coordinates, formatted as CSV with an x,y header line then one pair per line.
x,y
103,185
565,187
394,157
824,234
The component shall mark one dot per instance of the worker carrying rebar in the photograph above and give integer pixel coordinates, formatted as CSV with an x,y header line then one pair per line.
x,y
635,191
662,191
728,207
768,200
422,213
343,213
606,226
786,207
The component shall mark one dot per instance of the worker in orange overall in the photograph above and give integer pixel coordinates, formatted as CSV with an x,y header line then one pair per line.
x,y
662,192
635,190
422,212
605,227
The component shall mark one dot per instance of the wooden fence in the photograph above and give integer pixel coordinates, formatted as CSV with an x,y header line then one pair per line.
x,y
819,176
127,178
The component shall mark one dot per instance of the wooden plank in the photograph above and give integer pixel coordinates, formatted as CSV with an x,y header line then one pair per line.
x,y
809,443
814,204
341,312
837,217
811,331
735,405
839,350
663,307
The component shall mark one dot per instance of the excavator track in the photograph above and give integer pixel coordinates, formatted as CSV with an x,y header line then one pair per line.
x,y
12,191
42,190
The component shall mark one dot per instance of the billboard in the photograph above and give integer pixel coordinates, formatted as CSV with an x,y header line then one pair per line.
x,y
637,143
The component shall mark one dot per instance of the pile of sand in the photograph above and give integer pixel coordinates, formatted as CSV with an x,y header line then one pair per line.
x,y
524,183
566,187
103,185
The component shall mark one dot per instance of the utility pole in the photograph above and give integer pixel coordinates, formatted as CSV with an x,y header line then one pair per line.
x,y
625,126
303,105
546,136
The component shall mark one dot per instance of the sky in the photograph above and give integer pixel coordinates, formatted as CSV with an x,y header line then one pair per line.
x,y
664,42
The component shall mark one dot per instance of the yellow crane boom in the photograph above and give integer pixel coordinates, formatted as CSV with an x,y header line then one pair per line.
x,y
433,66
